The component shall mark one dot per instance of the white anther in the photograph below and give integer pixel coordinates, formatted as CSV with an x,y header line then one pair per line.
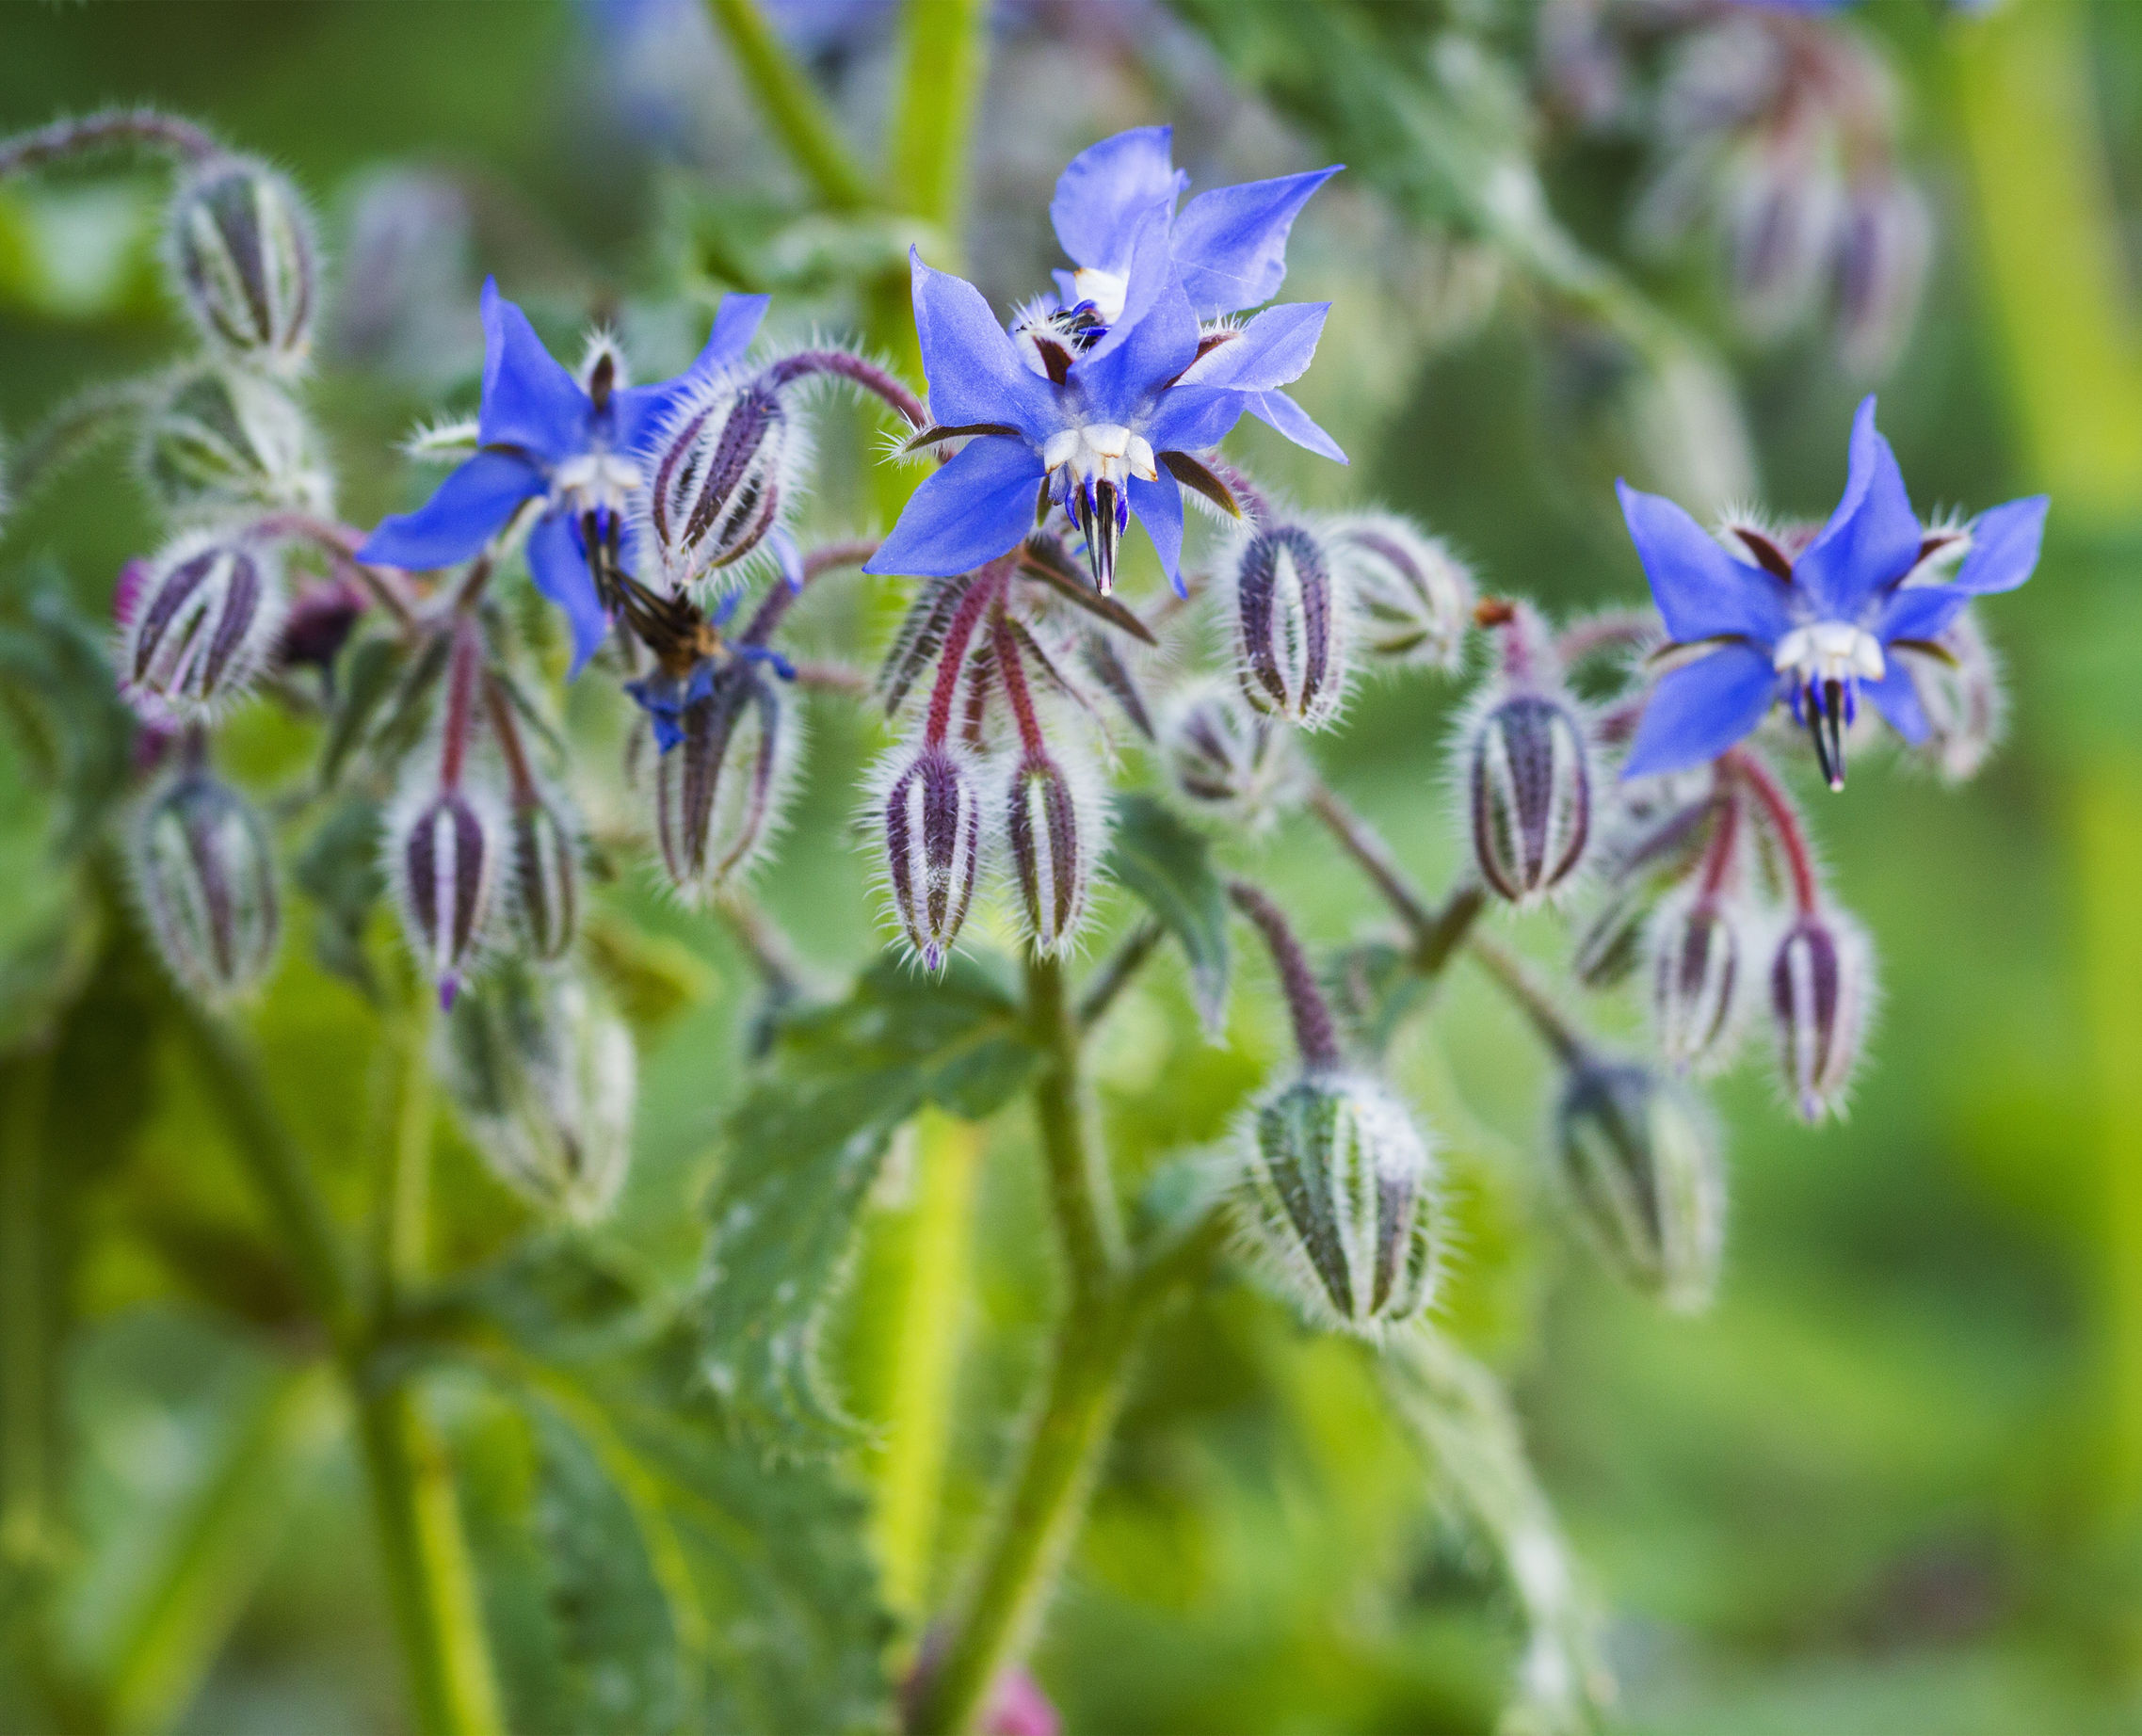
x,y
1830,650
595,481
1104,289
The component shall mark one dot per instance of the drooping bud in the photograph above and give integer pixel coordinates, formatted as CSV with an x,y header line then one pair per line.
x,y
1336,1198
1821,991
1641,1162
545,905
1054,829
206,873
1527,768
1780,212
244,263
1885,243
1412,598
1238,765
207,618
722,789
1959,690
932,814
542,1073
219,440
444,844
721,473
1696,984
1290,627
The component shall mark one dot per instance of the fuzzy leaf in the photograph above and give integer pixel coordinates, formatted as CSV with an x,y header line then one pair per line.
x,y
58,681
1169,866
340,872
369,675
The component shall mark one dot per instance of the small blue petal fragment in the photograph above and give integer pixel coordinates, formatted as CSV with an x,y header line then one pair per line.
x,y
464,512
2003,547
1278,411
1897,700
1159,508
559,565
1273,349
1230,244
1696,711
787,557
974,509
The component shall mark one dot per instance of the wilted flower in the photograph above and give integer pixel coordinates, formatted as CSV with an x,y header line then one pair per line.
x,y
1413,599
1292,626
245,267
209,610
1226,759
931,813
204,870
219,440
1821,992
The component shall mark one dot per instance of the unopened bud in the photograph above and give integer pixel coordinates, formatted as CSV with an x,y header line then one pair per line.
x,y
1236,764
1642,1165
722,789
1412,598
318,624
445,847
1696,984
1885,245
932,815
1821,991
219,440
206,873
1337,1199
542,1073
207,618
1780,213
720,478
244,263
1054,826
1959,690
546,878
1528,774
1290,627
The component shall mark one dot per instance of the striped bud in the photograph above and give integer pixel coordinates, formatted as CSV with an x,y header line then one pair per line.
x,y
208,615
1642,1165
1413,599
1528,777
244,263
546,878
1052,829
1696,984
932,815
721,791
719,475
1821,991
1885,245
206,873
1239,767
1336,1198
1290,627
220,441
542,1073
444,847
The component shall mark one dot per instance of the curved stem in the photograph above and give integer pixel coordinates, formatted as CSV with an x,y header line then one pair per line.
x,y
71,431
774,607
1517,980
1117,970
1612,630
1315,1035
1367,848
953,656
341,543
101,131
1012,672
1785,821
1080,1191
880,381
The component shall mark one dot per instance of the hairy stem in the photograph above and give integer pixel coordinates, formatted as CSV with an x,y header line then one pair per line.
x,y
1117,970
774,607
1315,1035
103,131
1783,820
1437,930
1080,1191
1515,979
879,381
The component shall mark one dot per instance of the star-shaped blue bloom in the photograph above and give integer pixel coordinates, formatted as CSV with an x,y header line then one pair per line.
x,y
1816,629
543,434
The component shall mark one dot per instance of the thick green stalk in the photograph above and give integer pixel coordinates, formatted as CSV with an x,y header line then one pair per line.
x,y
26,1328
1080,1192
792,107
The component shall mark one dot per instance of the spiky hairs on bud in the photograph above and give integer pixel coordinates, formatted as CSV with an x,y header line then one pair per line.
x,y
1335,1198
724,471
210,609
204,875
218,441
1698,953
244,261
542,1073
1240,766
1641,1162
930,808
1822,995
1526,767
1291,624
544,905
445,845
722,792
1413,599
1055,832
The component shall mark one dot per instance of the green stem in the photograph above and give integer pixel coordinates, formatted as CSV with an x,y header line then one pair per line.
x,y
1080,1192
943,48
792,107
1437,930
25,1324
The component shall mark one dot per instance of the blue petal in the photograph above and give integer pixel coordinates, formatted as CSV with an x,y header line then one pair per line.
x,y
971,510
1106,188
975,371
1230,244
1150,287
1278,411
1920,612
1272,350
529,401
1159,508
1897,698
1193,418
1696,711
1701,591
463,513
1873,538
2003,547
559,565
640,409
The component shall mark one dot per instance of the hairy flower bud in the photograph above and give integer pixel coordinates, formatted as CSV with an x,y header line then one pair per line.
x,y
1642,1165
244,263
1528,775
1239,767
205,874
208,615
721,791
932,812
1412,598
1959,690
1696,984
1053,829
1290,627
720,476
542,1073
1336,1198
1821,991
219,440
1885,243
545,905
444,845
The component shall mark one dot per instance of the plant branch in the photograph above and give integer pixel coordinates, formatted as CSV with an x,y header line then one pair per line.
x,y
1515,977
106,130
1117,970
1080,1191
793,108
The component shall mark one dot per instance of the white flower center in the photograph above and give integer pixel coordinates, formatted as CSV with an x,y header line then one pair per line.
x,y
1101,452
595,482
1104,289
1830,650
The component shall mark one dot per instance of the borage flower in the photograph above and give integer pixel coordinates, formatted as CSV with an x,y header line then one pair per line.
x,y
1815,626
576,445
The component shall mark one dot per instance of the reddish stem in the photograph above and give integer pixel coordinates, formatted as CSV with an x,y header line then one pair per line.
x,y
988,585
1013,672
1785,822
1315,1035
461,673
1609,632
867,375
112,126
777,600
1718,854
340,543
506,727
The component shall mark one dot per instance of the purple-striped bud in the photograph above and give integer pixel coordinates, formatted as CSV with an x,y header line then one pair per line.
x,y
545,906
1055,827
1290,627
220,441
1243,768
1821,991
1336,1199
720,479
932,811
1780,214
721,789
208,615
1959,690
1886,243
542,1073
1642,1165
1528,777
1413,599
445,847
244,263
1697,984
206,873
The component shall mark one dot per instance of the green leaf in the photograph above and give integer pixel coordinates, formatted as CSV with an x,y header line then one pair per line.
x,y
1169,866
369,674
340,872
801,1151
1372,988
56,674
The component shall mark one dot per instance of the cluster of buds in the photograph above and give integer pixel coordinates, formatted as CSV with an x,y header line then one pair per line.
x,y
1526,765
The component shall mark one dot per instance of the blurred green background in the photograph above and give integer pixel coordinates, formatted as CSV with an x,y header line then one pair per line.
x,y
1892,1483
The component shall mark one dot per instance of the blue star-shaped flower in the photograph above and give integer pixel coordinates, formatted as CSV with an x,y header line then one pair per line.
x,y
580,448
1815,628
